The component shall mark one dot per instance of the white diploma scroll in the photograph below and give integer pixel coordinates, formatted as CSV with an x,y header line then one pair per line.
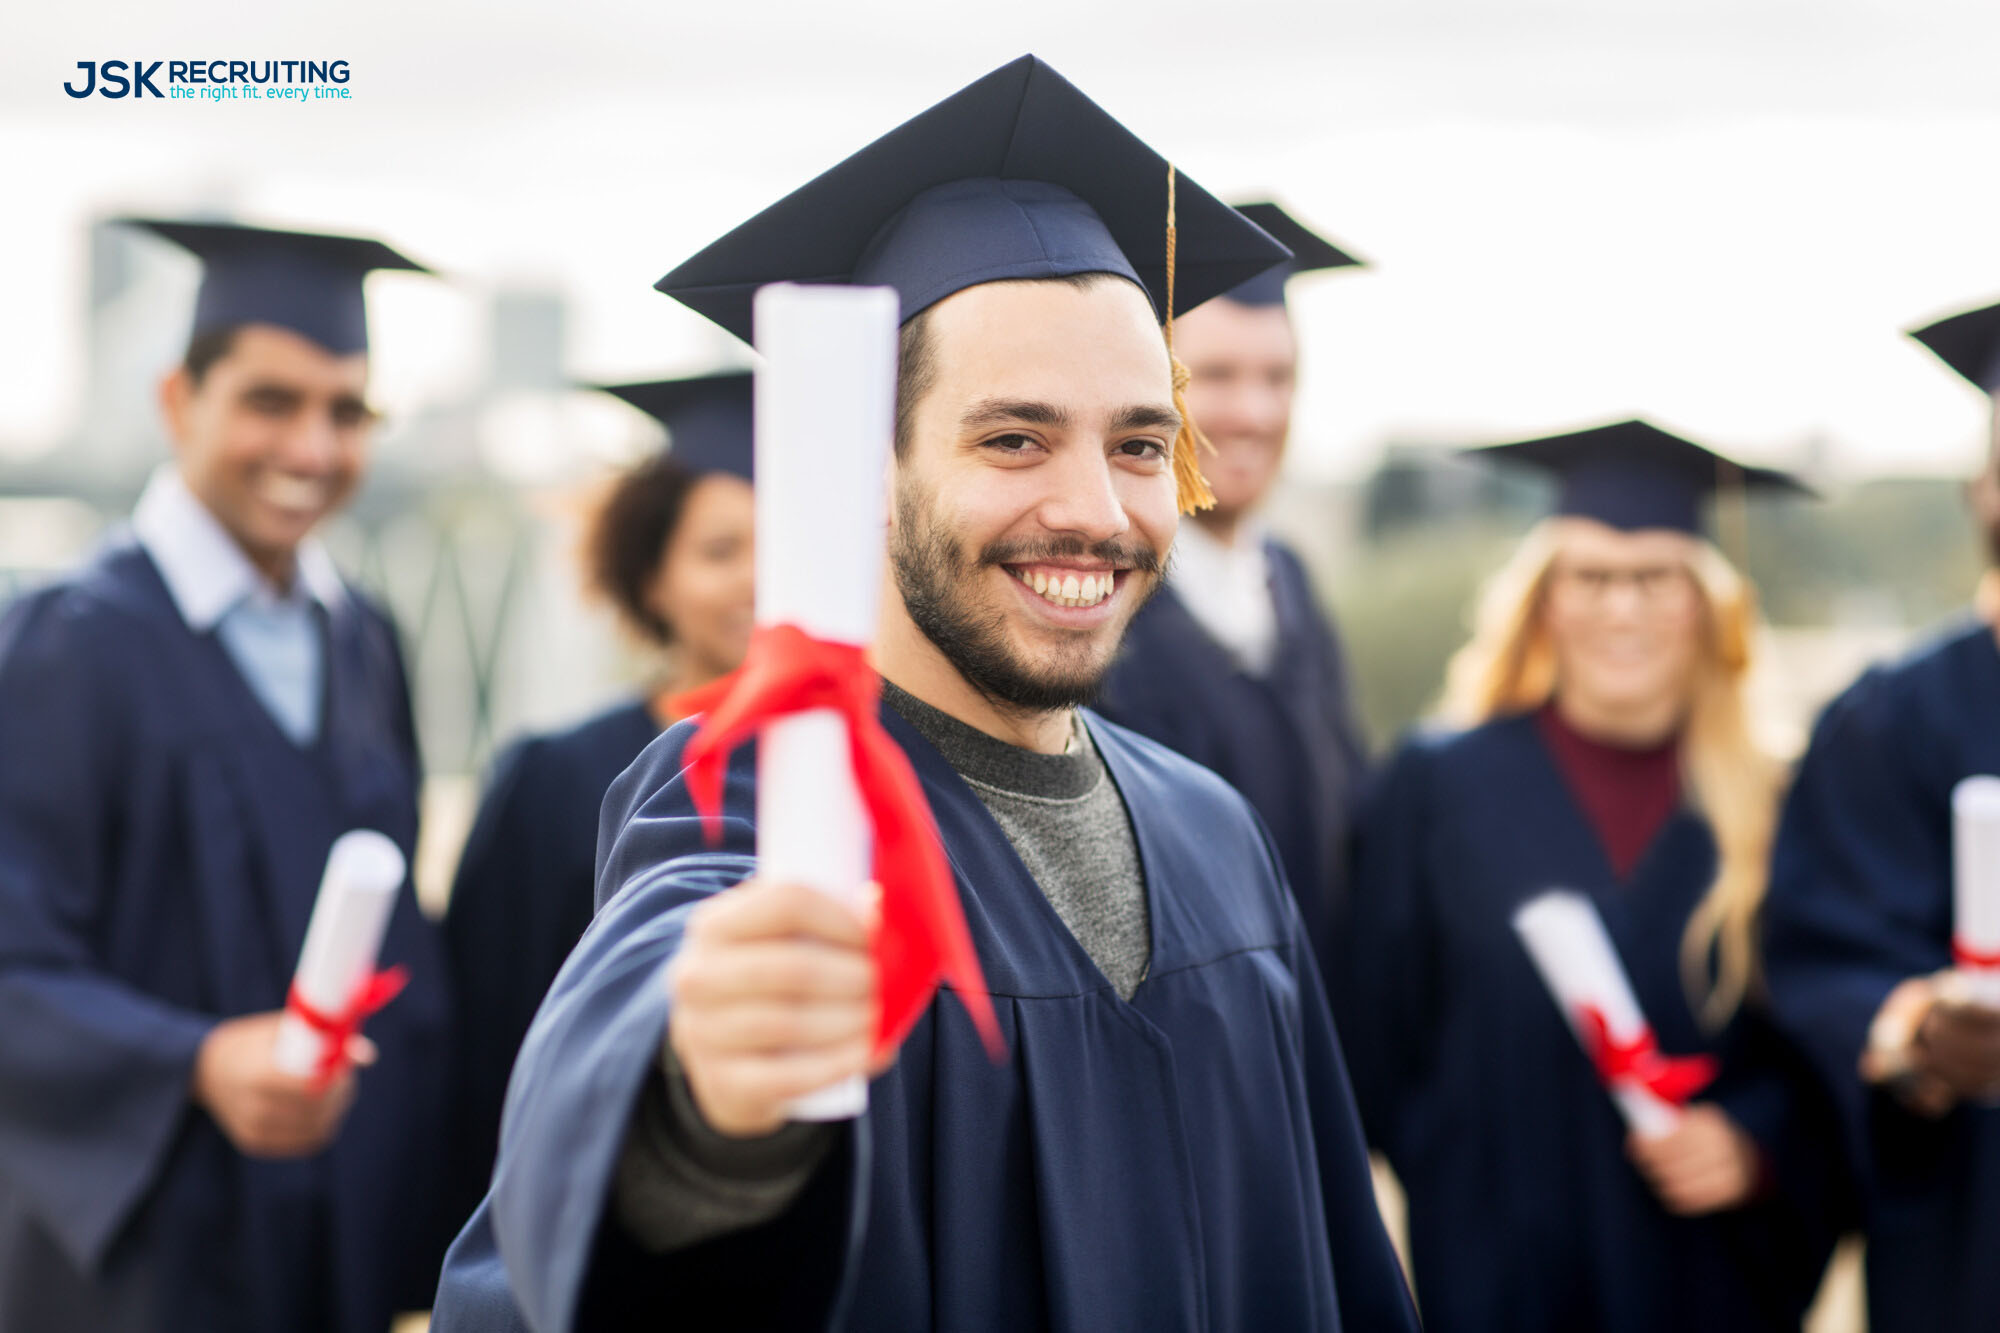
x,y
826,402
357,893
1567,941
1975,856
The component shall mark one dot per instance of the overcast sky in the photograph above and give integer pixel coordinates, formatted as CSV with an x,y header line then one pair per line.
x,y
1719,214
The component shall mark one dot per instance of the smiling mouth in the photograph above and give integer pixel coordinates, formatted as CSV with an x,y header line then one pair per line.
x,y
294,493
1067,587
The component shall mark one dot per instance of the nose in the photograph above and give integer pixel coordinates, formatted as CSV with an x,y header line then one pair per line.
x,y
311,447
1083,497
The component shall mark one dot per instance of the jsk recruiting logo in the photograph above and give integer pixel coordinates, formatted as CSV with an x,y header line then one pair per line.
x,y
213,80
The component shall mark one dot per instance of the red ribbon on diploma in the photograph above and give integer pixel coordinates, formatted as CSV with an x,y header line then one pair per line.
x,y
921,937
373,992
1672,1078
1973,960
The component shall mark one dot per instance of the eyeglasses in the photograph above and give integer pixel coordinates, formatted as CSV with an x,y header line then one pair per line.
x,y
1653,586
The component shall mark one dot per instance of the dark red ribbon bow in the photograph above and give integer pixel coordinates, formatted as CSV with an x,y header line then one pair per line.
x,y
1671,1078
373,992
1970,958
921,936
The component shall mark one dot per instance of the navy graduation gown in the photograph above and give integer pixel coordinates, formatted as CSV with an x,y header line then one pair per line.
x,y
1287,740
1524,1211
1188,1160
523,895
161,843
1860,900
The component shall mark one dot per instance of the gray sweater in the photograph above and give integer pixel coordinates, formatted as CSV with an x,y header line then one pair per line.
x,y
680,1182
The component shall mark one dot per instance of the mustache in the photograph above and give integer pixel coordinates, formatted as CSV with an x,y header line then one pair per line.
x,y
1123,555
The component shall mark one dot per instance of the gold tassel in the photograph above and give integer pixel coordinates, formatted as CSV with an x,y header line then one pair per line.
x,y
1190,486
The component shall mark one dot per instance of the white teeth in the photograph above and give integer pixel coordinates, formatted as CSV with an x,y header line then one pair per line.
x,y
1068,589
293,492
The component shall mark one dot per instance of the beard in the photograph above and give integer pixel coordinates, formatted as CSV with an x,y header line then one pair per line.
x,y
940,586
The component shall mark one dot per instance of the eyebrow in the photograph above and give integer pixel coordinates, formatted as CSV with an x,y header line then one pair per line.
x,y
1146,416
999,411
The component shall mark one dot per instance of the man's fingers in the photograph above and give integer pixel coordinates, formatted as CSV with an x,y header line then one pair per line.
x,y
765,1026
763,909
775,1079
771,970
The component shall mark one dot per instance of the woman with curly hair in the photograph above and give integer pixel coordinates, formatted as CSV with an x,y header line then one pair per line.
x,y
1598,742
670,548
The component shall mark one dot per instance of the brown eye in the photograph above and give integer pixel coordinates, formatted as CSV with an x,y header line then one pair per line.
x,y
270,402
350,413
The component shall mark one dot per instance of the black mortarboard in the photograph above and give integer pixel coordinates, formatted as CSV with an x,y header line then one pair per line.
x,y
1018,175
1969,343
707,418
1634,475
302,281
1310,253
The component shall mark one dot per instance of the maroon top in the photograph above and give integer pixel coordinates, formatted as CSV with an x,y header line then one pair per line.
x,y
1627,795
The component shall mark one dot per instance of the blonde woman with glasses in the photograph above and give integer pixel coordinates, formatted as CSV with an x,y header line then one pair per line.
x,y
1601,746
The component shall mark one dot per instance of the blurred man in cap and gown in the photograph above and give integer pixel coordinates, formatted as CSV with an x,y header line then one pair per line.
x,y
670,546
1604,748
1860,942
1234,664
189,721
1170,1142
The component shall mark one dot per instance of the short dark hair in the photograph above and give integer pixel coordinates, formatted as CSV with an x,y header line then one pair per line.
x,y
626,539
206,348
916,354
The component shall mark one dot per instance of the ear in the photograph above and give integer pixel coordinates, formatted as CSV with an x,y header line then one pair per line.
x,y
176,395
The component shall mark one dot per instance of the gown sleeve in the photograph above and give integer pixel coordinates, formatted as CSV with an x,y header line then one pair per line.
x,y
1859,897
547,1231
94,1074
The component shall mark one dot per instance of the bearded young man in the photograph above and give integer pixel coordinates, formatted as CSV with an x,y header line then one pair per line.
x,y
1171,1142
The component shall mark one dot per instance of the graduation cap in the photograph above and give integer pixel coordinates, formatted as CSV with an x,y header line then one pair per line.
x,y
1969,343
1633,475
707,418
302,281
1018,175
1311,252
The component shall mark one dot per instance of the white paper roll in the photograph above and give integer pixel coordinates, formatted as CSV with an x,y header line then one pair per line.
x,y
357,893
826,404
1975,854
1571,949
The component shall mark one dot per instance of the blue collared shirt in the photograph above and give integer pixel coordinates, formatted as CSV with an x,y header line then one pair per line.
x,y
272,636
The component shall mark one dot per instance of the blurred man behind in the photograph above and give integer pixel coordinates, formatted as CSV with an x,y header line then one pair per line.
x,y
187,722
1234,664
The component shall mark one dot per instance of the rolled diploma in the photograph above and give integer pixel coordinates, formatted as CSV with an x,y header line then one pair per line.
x,y
1567,941
826,401
344,938
1975,856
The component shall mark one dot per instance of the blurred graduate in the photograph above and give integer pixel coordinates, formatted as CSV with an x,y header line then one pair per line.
x,y
670,547
1602,746
1859,938
189,721
1170,1142
1234,664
